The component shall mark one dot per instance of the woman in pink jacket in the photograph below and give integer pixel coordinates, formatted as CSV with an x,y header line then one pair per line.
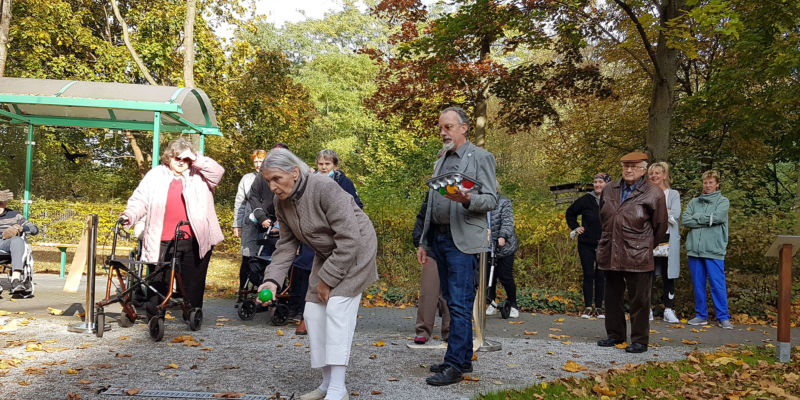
x,y
180,189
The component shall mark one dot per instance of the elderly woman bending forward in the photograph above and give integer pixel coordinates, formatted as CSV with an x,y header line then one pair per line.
x,y
180,189
314,210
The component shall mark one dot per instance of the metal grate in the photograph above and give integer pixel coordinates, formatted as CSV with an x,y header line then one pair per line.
x,y
176,394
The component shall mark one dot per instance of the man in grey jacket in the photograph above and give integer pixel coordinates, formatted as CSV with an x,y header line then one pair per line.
x,y
455,230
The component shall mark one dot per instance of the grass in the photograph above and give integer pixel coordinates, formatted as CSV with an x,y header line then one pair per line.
x,y
730,372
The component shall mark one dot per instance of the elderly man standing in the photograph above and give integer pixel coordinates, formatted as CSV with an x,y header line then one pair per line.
x,y
633,214
454,231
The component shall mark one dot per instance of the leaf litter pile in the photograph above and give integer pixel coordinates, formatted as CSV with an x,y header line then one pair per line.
x,y
731,372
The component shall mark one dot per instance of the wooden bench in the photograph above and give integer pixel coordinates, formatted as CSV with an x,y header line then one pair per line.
x,y
63,248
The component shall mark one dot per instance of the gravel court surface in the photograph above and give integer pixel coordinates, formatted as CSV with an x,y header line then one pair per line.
x,y
234,356
256,360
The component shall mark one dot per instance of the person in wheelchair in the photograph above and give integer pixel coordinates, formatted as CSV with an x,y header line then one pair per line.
x,y
13,225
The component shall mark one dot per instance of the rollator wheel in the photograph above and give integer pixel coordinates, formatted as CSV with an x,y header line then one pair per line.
x,y
247,310
124,321
99,322
281,315
195,319
156,328
505,311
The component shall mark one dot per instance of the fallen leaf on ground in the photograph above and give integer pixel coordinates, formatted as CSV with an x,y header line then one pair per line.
x,y
572,366
279,332
666,339
34,347
621,345
560,320
132,392
516,322
530,332
687,341
379,343
676,326
555,329
122,355
84,381
229,395
54,311
73,396
471,378
376,392
171,366
71,371
231,367
497,382
392,379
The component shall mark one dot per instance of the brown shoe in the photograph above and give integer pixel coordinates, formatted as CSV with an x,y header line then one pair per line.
x,y
301,329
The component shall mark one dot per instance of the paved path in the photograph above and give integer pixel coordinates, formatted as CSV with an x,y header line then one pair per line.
x,y
253,357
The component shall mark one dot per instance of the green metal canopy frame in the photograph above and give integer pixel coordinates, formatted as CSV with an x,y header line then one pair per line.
x,y
48,102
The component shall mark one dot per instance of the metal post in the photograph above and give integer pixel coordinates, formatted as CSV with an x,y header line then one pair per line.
x,y
156,137
28,163
88,324
784,302
202,143
480,309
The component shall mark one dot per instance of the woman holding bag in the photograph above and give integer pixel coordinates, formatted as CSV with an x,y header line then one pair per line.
x,y
668,265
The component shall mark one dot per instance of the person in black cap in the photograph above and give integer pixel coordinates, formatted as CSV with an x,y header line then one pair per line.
x,y
588,232
634,218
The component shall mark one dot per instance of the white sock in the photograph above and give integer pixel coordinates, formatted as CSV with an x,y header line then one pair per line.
x,y
16,274
336,389
326,378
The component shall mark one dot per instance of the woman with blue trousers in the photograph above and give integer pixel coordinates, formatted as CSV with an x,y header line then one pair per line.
x,y
706,216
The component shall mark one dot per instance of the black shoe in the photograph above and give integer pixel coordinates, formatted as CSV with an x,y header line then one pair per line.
x,y
608,342
449,376
17,287
436,368
636,348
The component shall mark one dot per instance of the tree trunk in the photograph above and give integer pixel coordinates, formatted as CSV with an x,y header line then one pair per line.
x,y
188,44
128,44
5,24
141,163
481,117
662,101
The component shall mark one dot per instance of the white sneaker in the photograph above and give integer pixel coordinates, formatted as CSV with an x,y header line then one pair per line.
x,y
492,309
651,314
514,313
587,313
669,316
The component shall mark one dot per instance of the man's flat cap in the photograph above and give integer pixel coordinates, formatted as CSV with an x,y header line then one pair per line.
x,y
636,156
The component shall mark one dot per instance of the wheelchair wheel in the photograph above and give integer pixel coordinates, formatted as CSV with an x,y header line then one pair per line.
x,y
195,319
156,328
99,322
505,311
124,321
247,310
281,315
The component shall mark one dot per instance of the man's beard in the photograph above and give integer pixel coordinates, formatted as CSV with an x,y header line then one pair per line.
x,y
446,146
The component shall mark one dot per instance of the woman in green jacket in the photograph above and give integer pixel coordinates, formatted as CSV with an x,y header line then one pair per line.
x,y
706,216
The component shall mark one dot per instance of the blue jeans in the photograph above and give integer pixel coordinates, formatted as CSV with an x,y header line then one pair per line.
x,y
457,280
713,270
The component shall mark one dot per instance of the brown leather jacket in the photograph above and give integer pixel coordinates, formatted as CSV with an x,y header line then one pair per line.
x,y
632,229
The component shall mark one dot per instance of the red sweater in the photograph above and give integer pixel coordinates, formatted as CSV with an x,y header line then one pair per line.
x,y
175,211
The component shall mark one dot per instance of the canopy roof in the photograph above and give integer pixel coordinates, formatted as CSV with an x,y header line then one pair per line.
x,y
106,105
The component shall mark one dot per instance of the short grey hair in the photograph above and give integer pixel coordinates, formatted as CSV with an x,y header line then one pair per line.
x,y
462,115
328,154
175,148
284,160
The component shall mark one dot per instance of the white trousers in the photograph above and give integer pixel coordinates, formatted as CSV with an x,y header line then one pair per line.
x,y
330,329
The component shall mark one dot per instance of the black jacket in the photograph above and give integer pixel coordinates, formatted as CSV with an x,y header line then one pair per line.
x,y
260,199
588,208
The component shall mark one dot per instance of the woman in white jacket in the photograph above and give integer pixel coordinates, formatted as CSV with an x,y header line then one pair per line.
x,y
181,188
668,267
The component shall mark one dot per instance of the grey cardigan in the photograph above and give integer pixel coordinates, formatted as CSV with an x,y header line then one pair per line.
x,y
468,225
674,254
322,215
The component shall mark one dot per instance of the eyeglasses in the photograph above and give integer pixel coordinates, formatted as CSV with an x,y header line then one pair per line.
x,y
183,160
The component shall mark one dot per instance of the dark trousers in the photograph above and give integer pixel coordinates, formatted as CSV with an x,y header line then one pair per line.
x,y
668,296
243,272
639,286
457,281
190,265
503,271
298,289
593,278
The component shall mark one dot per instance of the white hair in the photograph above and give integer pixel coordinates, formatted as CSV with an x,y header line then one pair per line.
x,y
284,160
